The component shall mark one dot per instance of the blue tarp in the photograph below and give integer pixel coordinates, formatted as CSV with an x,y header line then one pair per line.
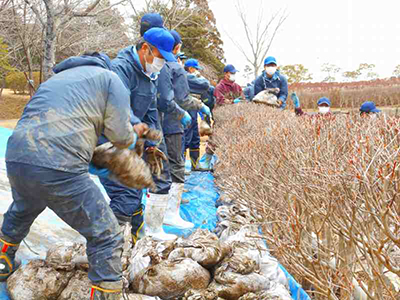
x,y
201,210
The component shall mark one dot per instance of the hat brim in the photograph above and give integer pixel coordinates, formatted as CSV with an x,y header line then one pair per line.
x,y
375,110
270,62
198,68
168,56
324,102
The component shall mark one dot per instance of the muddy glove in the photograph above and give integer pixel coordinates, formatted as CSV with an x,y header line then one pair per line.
x,y
154,158
186,120
205,110
99,172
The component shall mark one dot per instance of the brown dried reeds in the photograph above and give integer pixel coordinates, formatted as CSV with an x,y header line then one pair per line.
x,y
327,190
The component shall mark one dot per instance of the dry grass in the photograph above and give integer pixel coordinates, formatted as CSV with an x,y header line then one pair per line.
x,y
12,105
349,95
327,190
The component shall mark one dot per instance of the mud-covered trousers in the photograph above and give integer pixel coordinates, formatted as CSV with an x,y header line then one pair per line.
x,y
175,157
126,203
77,200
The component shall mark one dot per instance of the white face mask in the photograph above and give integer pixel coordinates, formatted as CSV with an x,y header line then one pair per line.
x,y
323,109
197,73
232,77
270,70
156,66
373,116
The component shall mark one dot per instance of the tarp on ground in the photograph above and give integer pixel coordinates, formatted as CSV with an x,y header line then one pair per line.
x,y
49,228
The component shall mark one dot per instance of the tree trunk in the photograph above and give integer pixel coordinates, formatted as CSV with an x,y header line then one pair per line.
x,y
256,68
3,84
49,42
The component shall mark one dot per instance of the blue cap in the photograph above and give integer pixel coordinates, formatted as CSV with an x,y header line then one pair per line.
x,y
230,69
177,37
369,107
270,60
149,21
324,100
162,40
191,62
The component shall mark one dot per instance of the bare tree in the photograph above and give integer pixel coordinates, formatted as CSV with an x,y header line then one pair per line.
x,y
56,16
260,38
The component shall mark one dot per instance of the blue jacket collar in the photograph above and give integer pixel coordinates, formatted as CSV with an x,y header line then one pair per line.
x,y
276,76
97,59
138,64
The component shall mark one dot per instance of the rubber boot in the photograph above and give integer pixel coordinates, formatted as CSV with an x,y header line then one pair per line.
x,y
172,217
194,158
185,155
106,291
8,265
156,206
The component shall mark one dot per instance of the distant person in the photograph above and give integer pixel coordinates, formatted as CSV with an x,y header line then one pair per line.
x,y
271,78
324,106
323,103
227,90
369,108
198,85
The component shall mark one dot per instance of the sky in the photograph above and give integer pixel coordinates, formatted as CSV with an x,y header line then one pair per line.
x,y
345,33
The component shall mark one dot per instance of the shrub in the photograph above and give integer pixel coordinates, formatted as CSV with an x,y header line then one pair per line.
x,y
327,191
16,81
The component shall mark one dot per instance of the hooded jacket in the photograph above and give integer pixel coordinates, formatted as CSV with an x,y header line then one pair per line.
x,y
61,124
174,83
227,89
263,82
142,87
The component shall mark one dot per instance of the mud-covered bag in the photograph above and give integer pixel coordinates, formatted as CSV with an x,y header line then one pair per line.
x,y
171,279
125,166
146,252
67,256
268,97
204,128
203,247
201,295
37,281
78,287
237,276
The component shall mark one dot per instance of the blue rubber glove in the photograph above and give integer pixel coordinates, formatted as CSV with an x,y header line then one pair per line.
x,y
296,100
186,120
132,146
205,110
99,172
237,100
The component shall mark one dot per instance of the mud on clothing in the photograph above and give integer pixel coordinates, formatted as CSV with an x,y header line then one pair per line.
x,y
61,124
78,201
49,152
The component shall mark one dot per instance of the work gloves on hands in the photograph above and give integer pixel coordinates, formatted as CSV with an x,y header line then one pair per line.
x,y
205,110
155,157
186,120
105,172
237,100
98,172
